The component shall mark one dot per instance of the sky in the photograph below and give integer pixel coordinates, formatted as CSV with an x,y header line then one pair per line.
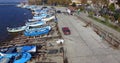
x,y
12,0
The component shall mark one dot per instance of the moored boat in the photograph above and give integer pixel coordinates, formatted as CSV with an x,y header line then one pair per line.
x,y
48,19
20,5
37,31
38,17
15,57
34,24
17,29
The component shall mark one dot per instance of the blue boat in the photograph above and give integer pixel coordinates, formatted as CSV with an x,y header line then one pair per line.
x,y
34,24
27,48
22,57
15,57
37,31
40,16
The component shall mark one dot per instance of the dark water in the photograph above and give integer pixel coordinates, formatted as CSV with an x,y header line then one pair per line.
x,y
11,16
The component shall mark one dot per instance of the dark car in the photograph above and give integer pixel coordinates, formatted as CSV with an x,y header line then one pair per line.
x,y
44,7
58,11
66,31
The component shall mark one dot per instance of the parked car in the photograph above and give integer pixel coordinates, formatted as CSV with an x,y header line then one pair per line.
x,y
66,30
58,11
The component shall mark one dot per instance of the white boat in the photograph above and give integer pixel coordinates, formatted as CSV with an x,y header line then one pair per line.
x,y
17,29
32,20
34,24
25,6
48,19
32,7
19,5
38,17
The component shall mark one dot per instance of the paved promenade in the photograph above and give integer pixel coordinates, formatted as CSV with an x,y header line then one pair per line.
x,y
106,28
84,45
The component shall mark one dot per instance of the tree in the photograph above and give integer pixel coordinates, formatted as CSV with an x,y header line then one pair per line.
x,y
32,2
101,2
112,7
84,1
38,2
50,2
73,4
104,2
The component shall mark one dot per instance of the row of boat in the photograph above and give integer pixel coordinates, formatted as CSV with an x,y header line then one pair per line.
x,y
33,27
19,54
41,16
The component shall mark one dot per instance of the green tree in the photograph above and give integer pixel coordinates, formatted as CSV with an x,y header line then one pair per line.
x,y
112,7
73,4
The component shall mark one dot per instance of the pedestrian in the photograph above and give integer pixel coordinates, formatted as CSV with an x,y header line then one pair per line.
x,y
78,11
69,12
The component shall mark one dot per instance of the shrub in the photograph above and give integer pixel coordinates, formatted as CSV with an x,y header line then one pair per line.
x,y
112,7
106,17
73,4
91,13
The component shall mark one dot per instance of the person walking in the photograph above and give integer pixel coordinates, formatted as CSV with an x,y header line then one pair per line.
x,y
78,11
69,12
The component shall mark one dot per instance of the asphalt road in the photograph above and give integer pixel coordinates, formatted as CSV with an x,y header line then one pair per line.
x,y
84,45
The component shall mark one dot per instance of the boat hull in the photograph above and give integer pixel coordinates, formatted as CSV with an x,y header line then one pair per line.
x,y
48,19
17,29
37,31
34,24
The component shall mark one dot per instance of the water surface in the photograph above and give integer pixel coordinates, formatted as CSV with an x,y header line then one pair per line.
x,y
12,16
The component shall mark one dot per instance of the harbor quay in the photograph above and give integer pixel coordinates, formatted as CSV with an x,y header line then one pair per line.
x,y
47,49
43,48
81,45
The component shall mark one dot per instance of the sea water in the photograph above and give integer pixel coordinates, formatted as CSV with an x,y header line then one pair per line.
x,y
12,16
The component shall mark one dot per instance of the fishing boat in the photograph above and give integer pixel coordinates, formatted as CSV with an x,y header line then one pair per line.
x,y
22,57
32,20
34,24
31,7
20,5
38,17
15,57
31,48
17,29
48,19
37,31
25,6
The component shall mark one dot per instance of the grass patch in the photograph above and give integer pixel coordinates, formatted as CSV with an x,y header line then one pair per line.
x,y
106,23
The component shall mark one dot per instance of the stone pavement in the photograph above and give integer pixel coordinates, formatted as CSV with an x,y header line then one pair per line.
x,y
85,17
84,45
